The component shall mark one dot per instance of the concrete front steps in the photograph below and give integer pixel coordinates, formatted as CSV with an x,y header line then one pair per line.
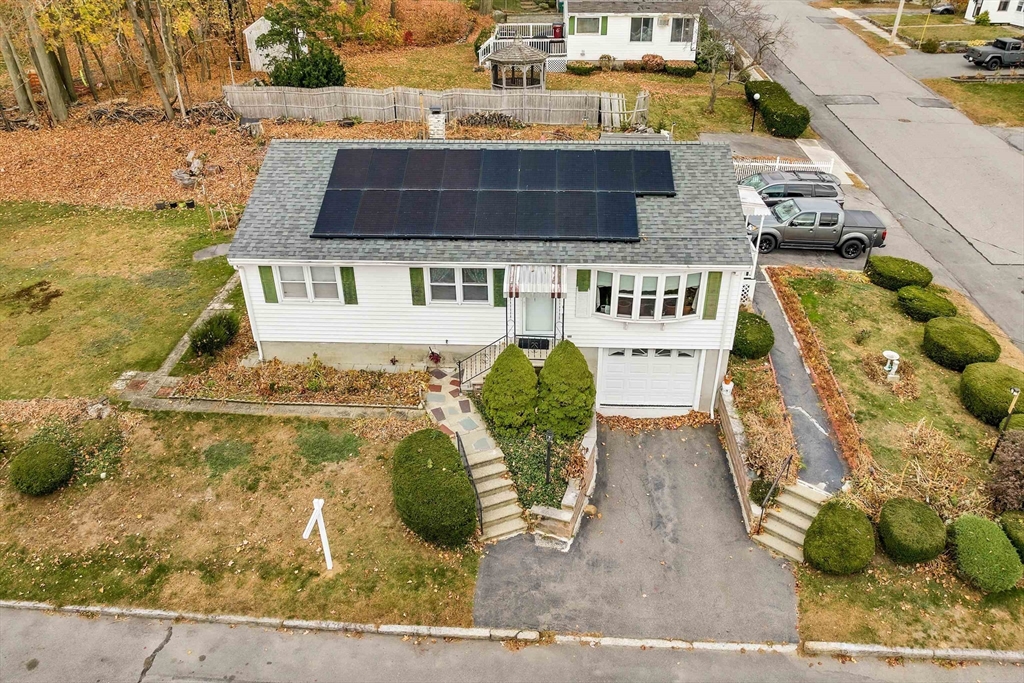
x,y
454,414
785,524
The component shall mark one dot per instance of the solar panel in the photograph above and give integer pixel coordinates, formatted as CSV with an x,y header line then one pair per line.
x,y
417,213
500,169
496,214
456,214
350,167
652,173
537,169
377,211
462,169
536,215
424,169
614,170
616,216
387,169
575,170
577,215
337,213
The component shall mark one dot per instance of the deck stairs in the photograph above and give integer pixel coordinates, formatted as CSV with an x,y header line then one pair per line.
x,y
786,523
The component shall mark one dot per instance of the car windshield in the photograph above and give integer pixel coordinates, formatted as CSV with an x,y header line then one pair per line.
x,y
999,45
755,181
783,211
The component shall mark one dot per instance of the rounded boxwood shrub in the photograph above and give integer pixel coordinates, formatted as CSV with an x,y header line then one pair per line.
x,y
214,333
1010,422
984,555
985,391
895,273
683,69
581,68
923,304
785,118
955,343
754,336
41,468
840,540
509,393
1013,526
433,495
653,63
911,531
565,395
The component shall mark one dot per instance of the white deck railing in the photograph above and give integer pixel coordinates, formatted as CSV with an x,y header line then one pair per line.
x,y
510,31
534,35
746,166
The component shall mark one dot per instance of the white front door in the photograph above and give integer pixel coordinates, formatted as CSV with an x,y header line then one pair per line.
x,y
648,377
539,317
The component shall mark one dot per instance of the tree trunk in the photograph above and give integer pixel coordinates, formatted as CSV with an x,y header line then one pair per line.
x,y
65,71
393,10
150,59
126,59
486,7
232,31
86,70
714,87
3,116
167,38
22,93
103,69
47,76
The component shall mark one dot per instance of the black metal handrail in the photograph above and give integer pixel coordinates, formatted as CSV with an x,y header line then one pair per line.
x,y
479,361
768,496
469,473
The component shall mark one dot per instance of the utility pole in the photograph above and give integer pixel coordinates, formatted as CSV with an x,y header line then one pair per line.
x,y
896,24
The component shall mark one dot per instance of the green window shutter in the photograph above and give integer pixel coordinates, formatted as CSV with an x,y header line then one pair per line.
x,y
498,275
269,288
604,26
348,285
572,26
583,280
711,295
419,294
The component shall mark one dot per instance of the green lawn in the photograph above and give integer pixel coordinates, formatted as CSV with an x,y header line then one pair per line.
x,y
205,513
987,104
88,293
944,27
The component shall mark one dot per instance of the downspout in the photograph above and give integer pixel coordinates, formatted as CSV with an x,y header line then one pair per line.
x,y
252,318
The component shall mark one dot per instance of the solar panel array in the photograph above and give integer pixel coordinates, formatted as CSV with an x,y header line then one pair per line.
x,y
531,194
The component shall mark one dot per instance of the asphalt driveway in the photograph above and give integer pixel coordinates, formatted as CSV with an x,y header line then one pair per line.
x,y
668,556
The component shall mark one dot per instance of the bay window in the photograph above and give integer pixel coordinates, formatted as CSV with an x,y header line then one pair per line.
x,y
638,296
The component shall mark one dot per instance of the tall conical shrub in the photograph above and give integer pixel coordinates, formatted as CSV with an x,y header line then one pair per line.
x,y
565,396
510,393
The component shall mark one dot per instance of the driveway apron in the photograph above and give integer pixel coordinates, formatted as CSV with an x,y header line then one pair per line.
x,y
668,556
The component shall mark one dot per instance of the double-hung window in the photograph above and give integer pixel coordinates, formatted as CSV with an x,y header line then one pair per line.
x,y
682,30
293,282
325,283
641,29
459,285
309,283
647,297
1003,6
588,25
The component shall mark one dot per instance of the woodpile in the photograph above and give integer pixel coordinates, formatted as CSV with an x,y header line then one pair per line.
x,y
119,111
493,119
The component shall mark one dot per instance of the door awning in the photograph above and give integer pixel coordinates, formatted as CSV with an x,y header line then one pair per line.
x,y
535,280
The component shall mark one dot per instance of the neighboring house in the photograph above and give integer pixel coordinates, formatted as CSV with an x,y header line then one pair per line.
x,y
648,287
261,59
624,29
999,11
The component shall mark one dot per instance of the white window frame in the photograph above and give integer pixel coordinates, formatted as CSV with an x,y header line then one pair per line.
x,y
595,32
307,274
642,21
459,284
659,299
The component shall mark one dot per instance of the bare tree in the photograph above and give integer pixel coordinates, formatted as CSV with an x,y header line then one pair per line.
x,y
22,91
747,23
49,77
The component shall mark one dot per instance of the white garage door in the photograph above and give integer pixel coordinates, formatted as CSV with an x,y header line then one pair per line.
x,y
648,377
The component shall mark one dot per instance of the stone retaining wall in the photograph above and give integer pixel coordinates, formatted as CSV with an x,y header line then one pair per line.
x,y
559,525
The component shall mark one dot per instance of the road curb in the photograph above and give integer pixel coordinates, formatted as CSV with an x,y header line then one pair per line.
x,y
674,644
955,654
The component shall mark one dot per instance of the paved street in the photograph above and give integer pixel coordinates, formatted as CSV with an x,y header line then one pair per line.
x,y
41,648
915,158
668,558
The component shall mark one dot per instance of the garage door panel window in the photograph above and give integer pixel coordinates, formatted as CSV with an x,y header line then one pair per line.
x,y
638,353
663,353
648,297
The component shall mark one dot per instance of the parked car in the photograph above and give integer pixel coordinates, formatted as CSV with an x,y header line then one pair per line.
x,y
1000,52
817,224
943,9
778,186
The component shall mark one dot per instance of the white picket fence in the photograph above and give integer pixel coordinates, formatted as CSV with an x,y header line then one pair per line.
x,y
746,166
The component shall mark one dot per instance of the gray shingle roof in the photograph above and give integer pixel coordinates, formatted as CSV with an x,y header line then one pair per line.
x,y
702,225
634,7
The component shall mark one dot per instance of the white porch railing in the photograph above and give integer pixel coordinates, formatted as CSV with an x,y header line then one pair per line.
x,y
534,35
510,31
746,166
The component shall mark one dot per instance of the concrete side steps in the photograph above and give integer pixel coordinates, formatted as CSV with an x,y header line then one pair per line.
x,y
510,527
785,548
500,514
798,521
809,492
486,488
488,457
797,504
494,470
784,531
498,499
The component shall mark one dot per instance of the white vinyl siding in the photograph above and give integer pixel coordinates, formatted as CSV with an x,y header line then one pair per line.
x,y
590,46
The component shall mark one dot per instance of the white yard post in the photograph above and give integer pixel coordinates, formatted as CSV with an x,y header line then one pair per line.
x,y
896,24
317,518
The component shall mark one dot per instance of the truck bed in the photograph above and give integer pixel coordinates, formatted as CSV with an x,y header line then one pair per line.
x,y
863,220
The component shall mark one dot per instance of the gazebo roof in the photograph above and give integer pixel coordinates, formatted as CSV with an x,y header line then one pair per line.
x,y
518,53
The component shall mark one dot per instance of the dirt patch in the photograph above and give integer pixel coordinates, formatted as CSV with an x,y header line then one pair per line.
x,y
636,425
33,298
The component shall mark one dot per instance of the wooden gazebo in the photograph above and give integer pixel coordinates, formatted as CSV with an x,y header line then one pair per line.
x,y
518,67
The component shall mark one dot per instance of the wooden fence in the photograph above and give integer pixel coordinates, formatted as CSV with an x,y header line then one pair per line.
x,y
560,107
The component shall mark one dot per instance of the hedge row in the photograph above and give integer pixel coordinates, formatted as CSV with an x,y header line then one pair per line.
x,y
984,555
581,68
955,343
922,304
684,69
782,116
895,273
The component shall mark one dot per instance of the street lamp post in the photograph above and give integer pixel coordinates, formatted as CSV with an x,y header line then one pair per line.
x,y
753,118
549,436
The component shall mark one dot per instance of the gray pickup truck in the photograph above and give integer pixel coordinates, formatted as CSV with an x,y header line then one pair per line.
x,y
999,53
817,224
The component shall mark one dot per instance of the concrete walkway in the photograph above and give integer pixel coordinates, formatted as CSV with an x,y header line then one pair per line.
x,y
36,647
811,427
